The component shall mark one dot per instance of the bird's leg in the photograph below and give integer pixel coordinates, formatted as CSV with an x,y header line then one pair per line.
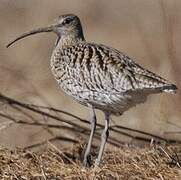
x,y
104,138
93,121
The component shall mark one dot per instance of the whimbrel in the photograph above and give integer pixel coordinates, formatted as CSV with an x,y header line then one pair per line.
x,y
97,76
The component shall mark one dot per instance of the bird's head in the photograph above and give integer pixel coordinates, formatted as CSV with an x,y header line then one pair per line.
x,y
67,25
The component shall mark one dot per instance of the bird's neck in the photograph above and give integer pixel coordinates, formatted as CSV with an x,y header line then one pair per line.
x,y
69,39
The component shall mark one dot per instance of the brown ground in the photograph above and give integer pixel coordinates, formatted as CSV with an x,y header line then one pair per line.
x,y
148,31
118,163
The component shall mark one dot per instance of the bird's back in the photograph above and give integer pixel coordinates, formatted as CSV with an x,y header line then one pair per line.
x,y
104,77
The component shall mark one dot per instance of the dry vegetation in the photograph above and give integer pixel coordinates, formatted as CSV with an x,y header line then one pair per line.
x,y
119,163
121,160
158,159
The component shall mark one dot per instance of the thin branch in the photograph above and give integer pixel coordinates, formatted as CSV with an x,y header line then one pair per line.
x,y
116,128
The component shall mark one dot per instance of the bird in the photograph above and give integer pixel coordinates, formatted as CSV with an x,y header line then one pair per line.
x,y
97,76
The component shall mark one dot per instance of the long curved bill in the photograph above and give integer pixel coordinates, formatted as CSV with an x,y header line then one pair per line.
x,y
39,30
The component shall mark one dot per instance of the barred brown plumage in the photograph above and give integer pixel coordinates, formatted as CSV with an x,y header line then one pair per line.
x,y
98,76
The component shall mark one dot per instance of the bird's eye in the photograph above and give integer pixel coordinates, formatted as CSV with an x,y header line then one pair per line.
x,y
67,21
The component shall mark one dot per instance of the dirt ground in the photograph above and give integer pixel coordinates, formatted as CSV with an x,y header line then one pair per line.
x,y
151,162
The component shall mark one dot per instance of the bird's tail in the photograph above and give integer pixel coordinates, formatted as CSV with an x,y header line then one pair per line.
x,y
170,88
152,82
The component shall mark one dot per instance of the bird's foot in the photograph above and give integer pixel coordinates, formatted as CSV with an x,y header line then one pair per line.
x,y
87,162
97,162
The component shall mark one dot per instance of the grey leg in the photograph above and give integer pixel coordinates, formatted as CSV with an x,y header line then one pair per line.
x,y
93,122
104,137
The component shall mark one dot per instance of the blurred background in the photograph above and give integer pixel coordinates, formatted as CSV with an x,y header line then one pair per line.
x,y
148,31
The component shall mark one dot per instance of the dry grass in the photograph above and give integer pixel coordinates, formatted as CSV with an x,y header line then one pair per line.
x,y
119,163
148,31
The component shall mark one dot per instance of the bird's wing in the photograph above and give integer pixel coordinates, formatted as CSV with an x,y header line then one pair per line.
x,y
116,71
